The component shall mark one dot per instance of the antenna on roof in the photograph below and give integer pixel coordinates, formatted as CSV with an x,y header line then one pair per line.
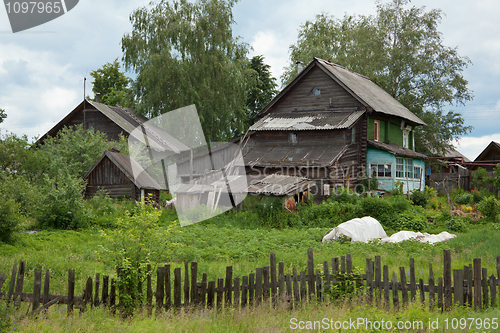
x,y
84,82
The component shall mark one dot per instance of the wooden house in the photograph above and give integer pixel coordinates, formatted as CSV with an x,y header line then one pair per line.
x,y
114,173
488,158
111,120
335,126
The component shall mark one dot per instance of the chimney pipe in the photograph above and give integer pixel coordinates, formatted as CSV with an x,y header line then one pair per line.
x,y
98,98
300,67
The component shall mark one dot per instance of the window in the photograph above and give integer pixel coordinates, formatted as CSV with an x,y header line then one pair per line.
x,y
400,166
409,168
316,91
376,130
381,170
417,172
353,135
293,137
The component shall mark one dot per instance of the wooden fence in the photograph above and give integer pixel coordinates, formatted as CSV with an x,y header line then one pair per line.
x,y
469,286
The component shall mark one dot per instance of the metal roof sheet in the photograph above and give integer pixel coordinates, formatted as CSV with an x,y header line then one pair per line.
x,y
369,92
293,155
279,185
303,121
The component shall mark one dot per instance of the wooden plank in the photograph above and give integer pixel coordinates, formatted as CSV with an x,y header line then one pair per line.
x,y
160,289
477,284
186,283
168,288
498,266
387,302
369,280
422,291
404,290
265,285
71,291
289,288
484,286
326,271
447,279
281,280
37,289
46,287
413,287
335,269
105,290
274,280
342,264
177,288
228,286
395,295
210,294
149,291
236,292
440,293
19,284
466,283
203,290
431,288
244,291
194,283
458,279
88,298
220,294
310,273
258,286
348,264
470,295
319,286
12,283
493,291
296,287
378,279
303,286
97,284
251,289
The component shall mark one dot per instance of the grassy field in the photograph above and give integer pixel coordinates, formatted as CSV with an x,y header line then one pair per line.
x,y
234,241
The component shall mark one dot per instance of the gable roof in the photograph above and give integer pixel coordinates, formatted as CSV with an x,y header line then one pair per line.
x,y
491,145
307,121
127,165
360,87
121,116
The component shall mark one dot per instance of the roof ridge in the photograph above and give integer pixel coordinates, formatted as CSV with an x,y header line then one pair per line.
x,y
340,66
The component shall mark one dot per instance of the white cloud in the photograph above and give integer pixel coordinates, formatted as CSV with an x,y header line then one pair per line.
x,y
471,147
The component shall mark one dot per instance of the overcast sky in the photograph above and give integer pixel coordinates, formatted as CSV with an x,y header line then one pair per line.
x,y
42,69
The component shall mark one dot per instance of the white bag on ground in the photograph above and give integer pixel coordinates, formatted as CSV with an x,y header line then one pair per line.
x,y
421,237
358,230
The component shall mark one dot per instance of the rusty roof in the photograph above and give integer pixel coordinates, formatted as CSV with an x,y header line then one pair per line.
x,y
395,149
304,121
310,155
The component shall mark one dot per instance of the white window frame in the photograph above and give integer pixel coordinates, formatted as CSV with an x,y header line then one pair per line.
x,y
417,171
376,130
400,167
385,165
409,168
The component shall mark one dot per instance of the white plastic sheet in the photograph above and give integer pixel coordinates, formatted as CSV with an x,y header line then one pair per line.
x,y
358,230
367,228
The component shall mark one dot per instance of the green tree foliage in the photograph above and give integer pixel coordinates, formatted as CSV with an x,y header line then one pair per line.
x,y
479,178
264,89
14,152
112,84
185,53
401,50
3,115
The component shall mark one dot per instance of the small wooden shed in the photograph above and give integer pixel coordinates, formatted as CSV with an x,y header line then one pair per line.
x,y
113,173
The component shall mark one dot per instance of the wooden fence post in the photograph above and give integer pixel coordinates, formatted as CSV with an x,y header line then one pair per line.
x,y
458,279
37,288
220,292
387,301
266,286
149,291
310,272
177,288
46,287
168,288
160,289
112,296
19,284
228,286
12,283
105,290
404,289
447,279
395,295
244,291
186,284
477,284
274,280
431,288
96,291
71,291
203,290
413,288
258,286
236,289
378,279
281,280
194,283
484,285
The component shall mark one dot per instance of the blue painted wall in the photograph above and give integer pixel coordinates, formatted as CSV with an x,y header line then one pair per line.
x,y
387,183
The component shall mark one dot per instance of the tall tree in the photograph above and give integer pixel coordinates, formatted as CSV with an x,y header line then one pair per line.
x,y
185,53
112,84
263,90
401,50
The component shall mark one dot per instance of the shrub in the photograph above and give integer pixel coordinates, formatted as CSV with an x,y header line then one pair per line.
x,y
62,206
344,194
430,192
457,224
488,207
347,285
419,198
477,196
463,198
399,204
443,218
410,220
9,218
